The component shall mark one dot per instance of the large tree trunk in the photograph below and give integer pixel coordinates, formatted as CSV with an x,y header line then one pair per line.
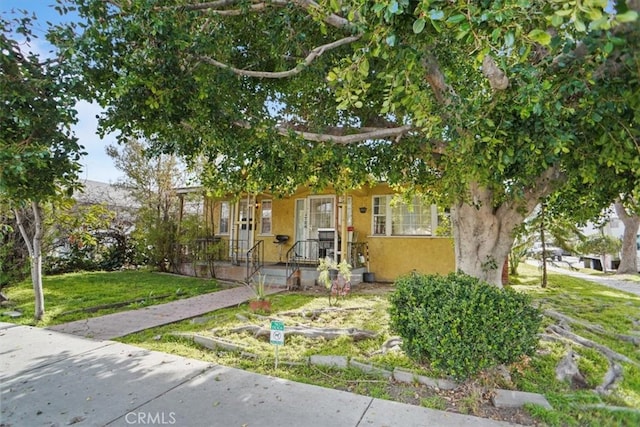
x,y
629,252
483,234
34,246
483,229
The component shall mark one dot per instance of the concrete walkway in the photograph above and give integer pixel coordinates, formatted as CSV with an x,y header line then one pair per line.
x,y
127,322
610,281
49,378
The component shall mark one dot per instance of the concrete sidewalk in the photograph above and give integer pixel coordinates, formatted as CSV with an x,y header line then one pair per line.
x,y
127,322
51,378
610,281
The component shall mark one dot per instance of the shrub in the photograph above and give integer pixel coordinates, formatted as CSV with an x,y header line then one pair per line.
x,y
460,325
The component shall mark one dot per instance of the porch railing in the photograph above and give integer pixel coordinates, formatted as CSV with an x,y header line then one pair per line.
x,y
210,250
303,252
255,259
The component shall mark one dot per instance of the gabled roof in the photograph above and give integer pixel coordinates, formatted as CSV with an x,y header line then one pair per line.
x,y
96,192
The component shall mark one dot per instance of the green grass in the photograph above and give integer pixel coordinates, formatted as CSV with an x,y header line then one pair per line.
x,y
618,313
75,291
615,311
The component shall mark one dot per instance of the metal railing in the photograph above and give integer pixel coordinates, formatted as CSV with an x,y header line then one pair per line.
x,y
255,259
303,252
210,250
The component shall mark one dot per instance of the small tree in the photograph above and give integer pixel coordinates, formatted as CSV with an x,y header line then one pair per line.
x,y
39,154
151,180
14,258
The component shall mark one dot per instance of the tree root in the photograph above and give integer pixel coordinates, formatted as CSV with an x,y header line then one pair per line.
x,y
568,368
566,320
314,314
392,344
606,351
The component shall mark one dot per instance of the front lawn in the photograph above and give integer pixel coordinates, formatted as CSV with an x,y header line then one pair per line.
x,y
615,313
67,296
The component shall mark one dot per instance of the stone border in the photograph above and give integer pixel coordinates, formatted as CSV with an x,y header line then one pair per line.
x,y
501,399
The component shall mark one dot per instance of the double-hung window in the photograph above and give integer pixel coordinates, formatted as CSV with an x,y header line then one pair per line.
x,y
395,217
265,217
225,215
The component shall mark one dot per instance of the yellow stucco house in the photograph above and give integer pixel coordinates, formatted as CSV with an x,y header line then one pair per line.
x,y
380,235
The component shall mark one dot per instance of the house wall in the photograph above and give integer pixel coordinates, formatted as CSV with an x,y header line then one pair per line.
x,y
282,222
394,256
389,256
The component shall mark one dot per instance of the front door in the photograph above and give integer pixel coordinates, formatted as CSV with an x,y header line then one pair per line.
x,y
313,213
244,227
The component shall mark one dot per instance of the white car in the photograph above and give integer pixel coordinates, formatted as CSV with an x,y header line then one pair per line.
x,y
553,252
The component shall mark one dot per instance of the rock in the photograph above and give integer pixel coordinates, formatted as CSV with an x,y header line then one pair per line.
x,y
334,361
516,399
12,314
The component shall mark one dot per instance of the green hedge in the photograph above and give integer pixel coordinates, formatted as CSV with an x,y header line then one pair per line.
x,y
460,325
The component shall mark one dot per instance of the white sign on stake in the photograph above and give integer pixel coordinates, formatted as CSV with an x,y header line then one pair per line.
x,y
277,336
277,332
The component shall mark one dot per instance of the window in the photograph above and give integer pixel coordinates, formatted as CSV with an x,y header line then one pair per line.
x,y
225,214
265,217
380,215
398,218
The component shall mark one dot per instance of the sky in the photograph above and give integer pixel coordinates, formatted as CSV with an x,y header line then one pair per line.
x,y
97,166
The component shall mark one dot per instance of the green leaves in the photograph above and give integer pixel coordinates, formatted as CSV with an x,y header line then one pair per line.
x,y
456,19
540,36
418,25
38,156
628,16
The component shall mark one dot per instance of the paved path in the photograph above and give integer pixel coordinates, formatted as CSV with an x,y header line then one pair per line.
x,y
127,322
611,281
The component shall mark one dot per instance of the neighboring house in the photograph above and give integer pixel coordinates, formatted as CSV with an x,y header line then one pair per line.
x,y
374,231
611,226
113,198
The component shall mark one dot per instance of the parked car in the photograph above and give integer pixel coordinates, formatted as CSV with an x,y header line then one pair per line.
x,y
551,251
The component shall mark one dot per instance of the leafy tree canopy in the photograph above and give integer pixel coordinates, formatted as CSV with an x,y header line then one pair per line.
x,y
38,153
487,105
424,92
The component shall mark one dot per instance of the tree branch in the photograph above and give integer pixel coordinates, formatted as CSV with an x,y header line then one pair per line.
x,y
218,7
338,135
23,231
315,53
382,133
498,80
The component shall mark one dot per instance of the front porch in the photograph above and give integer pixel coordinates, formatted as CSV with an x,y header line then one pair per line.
x,y
229,260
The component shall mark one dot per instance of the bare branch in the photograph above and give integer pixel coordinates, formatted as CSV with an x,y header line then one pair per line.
x,y
436,80
497,78
339,135
219,7
380,133
315,53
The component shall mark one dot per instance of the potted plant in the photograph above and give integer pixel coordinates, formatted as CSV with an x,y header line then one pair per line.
x,y
260,302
